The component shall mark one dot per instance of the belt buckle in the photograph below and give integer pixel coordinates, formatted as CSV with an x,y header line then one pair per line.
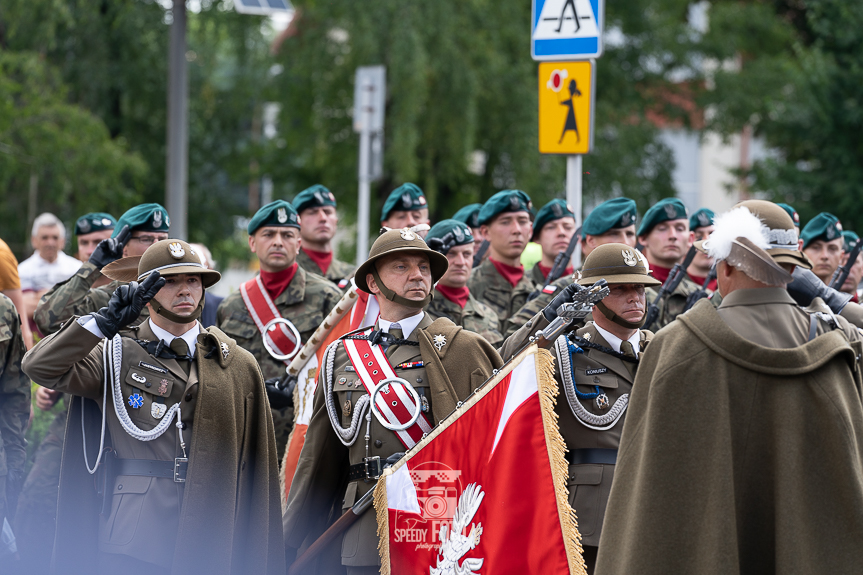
x,y
181,465
376,460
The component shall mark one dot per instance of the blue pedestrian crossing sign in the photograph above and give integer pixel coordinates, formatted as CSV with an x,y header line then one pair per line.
x,y
566,29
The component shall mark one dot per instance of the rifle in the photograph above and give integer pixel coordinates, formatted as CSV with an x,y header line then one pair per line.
x,y
675,276
841,273
480,253
702,292
560,262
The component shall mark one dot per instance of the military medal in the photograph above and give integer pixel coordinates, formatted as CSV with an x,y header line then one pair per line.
x,y
602,401
346,408
424,403
136,400
157,410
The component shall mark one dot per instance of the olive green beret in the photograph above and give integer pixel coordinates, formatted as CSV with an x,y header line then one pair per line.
x,y
610,215
791,212
446,234
314,197
554,210
468,215
664,210
278,213
405,198
850,240
94,222
824,226
505,201
144,217
701,219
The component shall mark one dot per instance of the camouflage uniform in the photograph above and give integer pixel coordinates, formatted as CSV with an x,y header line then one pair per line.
x,y
339,272
476,316
671,305
14,398
492,289
537,276
305,303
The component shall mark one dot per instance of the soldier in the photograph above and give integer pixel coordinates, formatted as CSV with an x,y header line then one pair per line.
x,y
701,224
406,206
453,299
284,297
468,215
90,229
436,363
665,235
823,245
500,281
192,497
316,207
553,227
855,276
136,230
720,469
609,222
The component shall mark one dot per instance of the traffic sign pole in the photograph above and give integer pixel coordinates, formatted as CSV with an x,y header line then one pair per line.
x,y
364,179
573,197
177,176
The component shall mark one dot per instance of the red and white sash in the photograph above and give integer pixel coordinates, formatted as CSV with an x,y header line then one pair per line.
x,y
395,404
282,337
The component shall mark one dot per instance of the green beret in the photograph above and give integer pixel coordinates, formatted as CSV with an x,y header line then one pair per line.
x,y
664,210
405,198
146,218
850,240
610,215
468,215
314,197
94,222
824,226
505,201
556,209
701,219
447,234
278,213
791,212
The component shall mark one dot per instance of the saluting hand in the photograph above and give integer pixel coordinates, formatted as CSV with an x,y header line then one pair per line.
x,y
126,304
111,249
566,295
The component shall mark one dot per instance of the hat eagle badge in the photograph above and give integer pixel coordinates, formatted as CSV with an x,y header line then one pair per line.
x,y
84,226
282,215
407,201
177,251
407,235
629,258
670,211
157,218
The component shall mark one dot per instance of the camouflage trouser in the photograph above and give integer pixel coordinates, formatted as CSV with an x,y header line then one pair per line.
x,y
283,421
36,518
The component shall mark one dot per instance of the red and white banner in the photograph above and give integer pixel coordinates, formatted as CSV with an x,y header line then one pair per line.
x,y
485,492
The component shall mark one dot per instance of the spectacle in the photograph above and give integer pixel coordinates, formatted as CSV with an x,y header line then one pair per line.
x,y
147,240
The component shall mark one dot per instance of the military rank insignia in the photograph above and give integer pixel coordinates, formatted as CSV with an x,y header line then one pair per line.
x,y
136,401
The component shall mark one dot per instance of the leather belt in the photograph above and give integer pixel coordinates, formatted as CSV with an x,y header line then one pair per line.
x,y
592,455
175,469
370,468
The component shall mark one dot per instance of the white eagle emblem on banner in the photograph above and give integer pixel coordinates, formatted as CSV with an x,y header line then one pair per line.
x,y
454,545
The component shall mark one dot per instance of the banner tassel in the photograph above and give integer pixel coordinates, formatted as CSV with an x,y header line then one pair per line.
x,y
383,516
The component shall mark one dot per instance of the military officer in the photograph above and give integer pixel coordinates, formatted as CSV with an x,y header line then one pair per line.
x,y
316,207
453,299
285,297
136,230
468,215
823,245
500,281
612,221
665,236
90,230
438,364
553,228
701,224
856,274
188,471
406,206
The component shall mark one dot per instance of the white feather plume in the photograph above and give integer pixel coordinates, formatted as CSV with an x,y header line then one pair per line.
x,y
733,224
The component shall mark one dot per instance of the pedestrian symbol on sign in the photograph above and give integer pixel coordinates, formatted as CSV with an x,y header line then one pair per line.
x,y
566,29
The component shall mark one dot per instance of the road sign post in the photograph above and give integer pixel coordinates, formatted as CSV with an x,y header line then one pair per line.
x,y
567,29
369,100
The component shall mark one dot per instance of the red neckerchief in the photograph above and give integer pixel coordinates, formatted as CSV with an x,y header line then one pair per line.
x,y
455,295
321,259
700,281
545,271
854,298
277,282
661,273
510,273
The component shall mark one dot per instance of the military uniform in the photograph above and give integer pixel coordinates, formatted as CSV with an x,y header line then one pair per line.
x,y
339,272
475,316
492,289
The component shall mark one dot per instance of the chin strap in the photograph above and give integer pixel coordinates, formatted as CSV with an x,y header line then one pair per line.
x,y
171,316
610,315
391,295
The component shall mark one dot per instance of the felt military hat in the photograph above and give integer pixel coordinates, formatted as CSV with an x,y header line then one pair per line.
x,y
616,264
314,197
505,201
824,226
168,257
782,235
664,210
468,215
701,219
556,209
94,222
278,213
405,198
850,240
612,214
144,217
791,212
447,234
399,241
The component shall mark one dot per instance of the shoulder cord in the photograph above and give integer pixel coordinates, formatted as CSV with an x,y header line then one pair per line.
x,y
106,366
586,418
348,436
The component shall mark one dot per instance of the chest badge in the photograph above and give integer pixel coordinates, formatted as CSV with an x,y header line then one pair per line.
x,y
136,400
439,341
424,404
157,410
163,386
139,378
601,401
346,408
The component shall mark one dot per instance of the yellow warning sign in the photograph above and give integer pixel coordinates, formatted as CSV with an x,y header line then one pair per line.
x,y
566,93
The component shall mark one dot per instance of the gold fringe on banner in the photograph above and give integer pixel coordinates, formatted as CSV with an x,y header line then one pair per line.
x,y
383,513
